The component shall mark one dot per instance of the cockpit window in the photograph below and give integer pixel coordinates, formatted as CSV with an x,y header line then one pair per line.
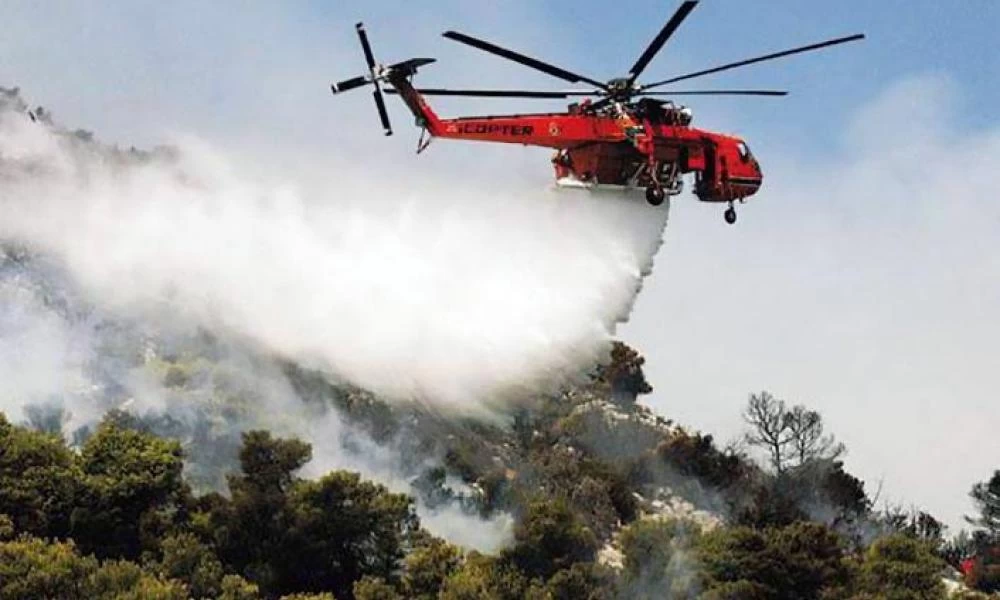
x,y
744,151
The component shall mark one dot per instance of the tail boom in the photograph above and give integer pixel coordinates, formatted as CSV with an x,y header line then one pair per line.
x,y
399,77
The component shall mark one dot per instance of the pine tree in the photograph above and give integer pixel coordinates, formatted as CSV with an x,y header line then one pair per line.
x,y
986,496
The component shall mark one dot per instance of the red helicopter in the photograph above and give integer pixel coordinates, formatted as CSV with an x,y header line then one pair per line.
x,y
625,139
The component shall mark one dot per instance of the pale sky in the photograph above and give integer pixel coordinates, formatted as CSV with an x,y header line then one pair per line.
x,y
862,279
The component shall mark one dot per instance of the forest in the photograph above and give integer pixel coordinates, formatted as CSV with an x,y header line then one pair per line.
x,y
609,501
204,491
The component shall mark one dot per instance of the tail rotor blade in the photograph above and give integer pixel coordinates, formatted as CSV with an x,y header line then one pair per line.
x,y
349,84
376,74
383,114
369,55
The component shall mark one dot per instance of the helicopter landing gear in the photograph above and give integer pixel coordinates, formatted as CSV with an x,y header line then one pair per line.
x,y
655,195
730,214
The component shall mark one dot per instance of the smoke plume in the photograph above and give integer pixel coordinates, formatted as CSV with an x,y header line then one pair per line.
x,y
167,282
407,287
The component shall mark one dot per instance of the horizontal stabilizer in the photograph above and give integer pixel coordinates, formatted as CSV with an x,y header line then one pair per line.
x,y
409,67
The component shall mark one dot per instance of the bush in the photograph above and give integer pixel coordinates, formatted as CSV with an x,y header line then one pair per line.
x,y
550,538
899,565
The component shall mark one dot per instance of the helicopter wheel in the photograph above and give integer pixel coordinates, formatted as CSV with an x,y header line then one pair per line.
x,y
730,215
655,195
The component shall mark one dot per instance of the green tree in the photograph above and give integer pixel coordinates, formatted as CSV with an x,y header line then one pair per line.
x,y
738,590
123,580
916,524
234,587
375,588
582,581
658,558
797,562
426,568
695,455
251,530
31,568
550,538
623,375
269,464
902,567
591,489
39,481
132,484
188,560
341,529
986,496
291,535
837,489
485,578
813,557
767,501
7,530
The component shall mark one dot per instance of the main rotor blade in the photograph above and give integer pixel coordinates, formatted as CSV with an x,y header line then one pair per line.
x,y
383,114
657,44
520,58
758,59
718,93
369,56
574,93
501,93
349,84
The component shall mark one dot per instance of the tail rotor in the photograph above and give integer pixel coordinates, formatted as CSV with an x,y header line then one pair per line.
x,y
375,74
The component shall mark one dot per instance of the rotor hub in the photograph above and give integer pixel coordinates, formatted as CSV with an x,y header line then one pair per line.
x,y
622,88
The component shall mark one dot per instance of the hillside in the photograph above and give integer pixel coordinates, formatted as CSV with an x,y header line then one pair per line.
x,y
147,455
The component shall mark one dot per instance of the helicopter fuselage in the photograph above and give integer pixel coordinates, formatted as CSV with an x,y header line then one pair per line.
x,y
638,145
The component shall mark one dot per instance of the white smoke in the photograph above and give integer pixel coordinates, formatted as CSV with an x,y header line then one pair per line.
x,y
64,365
39,354
402,285
382,463
407,287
